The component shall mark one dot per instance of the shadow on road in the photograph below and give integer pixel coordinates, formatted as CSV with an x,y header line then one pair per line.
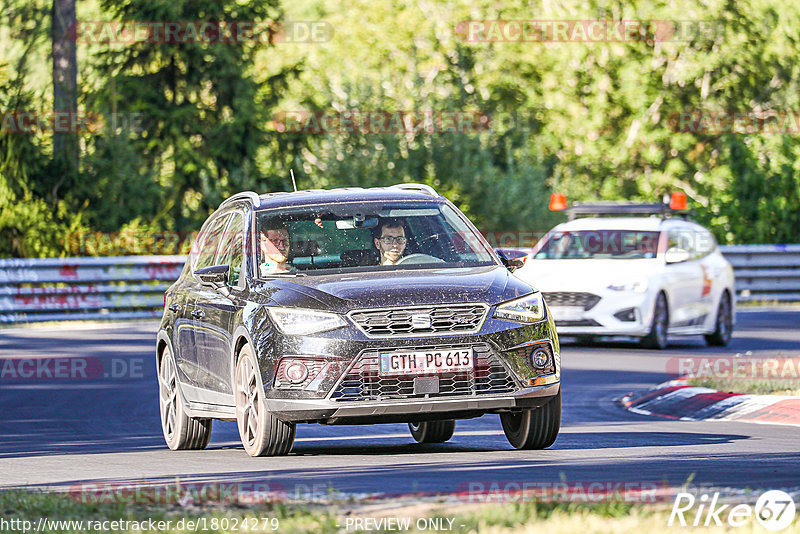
x,y
295,480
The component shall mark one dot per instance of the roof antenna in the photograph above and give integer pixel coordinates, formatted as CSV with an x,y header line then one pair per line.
x,y
294,184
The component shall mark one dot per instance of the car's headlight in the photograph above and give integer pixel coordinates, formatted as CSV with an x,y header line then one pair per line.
x,y
298,322
528,309
637,284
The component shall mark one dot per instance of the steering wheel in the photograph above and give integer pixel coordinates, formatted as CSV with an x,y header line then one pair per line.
x,y
419,258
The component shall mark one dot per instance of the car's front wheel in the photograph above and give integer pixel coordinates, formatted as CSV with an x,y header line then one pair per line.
x,y
181,432
723,328
261,432
533,429
657,338
432,431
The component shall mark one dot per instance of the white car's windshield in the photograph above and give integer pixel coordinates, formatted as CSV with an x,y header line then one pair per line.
x,y
366,236
596,244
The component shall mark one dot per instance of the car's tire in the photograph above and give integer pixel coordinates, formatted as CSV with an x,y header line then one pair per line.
x,y
181,432
432,431
533,429
723,325
261,432
657,338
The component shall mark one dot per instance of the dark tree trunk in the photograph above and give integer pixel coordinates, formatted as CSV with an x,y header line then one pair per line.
x,y
65,82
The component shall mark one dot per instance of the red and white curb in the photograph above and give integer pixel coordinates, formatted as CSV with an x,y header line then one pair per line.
x,y
678,400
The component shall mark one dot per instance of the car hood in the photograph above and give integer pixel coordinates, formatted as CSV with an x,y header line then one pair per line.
x,y
345,292
584,275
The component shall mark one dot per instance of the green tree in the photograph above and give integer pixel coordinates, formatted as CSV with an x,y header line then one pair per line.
x,y
202,110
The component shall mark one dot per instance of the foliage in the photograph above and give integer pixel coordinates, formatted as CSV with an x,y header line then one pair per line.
x,y
595,120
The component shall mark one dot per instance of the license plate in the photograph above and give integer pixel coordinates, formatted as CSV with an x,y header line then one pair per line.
x,y
426,362
567,313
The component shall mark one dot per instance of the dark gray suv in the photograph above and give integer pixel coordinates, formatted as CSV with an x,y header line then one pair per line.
x,y
352,306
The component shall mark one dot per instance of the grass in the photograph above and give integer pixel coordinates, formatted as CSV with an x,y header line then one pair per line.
x,y
517,517
750,386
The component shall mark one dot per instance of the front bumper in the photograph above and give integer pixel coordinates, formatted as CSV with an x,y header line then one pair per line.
x,y
411,410
602,319
502,379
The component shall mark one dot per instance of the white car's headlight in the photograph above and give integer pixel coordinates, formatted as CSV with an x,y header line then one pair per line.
x,y
298,322
528,309
637,284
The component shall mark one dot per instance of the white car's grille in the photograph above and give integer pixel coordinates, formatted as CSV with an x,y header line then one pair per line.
x,y
587,301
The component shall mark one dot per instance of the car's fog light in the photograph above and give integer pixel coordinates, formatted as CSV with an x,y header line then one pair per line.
x,y
296,371
626,315
314,375
540,358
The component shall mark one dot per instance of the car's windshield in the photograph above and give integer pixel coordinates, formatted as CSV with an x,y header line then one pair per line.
x,y
597,244
366,236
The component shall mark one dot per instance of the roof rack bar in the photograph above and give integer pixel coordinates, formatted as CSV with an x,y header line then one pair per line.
x,y
425,188
251,195
617,208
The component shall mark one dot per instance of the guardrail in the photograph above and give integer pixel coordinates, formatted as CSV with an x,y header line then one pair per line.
x,y
126,287
765,272
58,289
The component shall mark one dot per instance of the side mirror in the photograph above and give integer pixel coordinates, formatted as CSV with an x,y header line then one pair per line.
x,y
215,276
676,255
511,258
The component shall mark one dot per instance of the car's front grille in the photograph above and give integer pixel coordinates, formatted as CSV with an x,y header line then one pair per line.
x,y
586,301
579,322
363,381
421,320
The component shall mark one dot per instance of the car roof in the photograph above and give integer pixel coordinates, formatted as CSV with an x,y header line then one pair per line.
x,y
346,194
313,197
645,224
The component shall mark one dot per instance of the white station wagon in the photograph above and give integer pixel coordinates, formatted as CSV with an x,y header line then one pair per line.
x,y
646,275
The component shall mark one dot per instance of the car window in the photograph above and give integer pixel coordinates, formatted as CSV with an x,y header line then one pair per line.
x,y
599,244
231,249
685,238
705,243
367,236
206,245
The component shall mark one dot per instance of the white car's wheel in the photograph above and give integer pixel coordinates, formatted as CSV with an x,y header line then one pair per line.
x,y
723,326
657,338
533,429
432,431
180,430
261,432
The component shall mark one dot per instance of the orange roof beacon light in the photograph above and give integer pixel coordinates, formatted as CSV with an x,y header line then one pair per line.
x,y
677,201
558,202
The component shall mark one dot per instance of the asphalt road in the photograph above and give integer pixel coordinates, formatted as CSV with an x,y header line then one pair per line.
x,y
105,428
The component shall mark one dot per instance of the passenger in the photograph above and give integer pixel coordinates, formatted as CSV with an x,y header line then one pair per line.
x,y
390,240
275,246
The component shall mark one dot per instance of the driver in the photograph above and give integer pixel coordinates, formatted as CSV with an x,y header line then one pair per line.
x,y
390,240
274,244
